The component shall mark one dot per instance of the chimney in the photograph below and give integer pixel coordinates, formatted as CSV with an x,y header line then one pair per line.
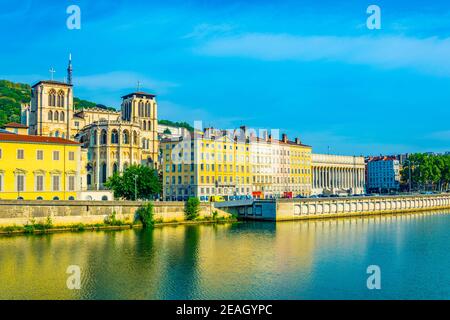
x,y
284,137
265,136
297,141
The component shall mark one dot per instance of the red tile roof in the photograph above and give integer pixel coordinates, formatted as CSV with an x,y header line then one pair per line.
x,y
35,139
15,125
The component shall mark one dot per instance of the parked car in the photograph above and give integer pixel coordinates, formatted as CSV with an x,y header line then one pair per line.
x,y
314,196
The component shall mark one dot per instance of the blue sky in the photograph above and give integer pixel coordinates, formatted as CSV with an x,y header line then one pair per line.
x,y
308,68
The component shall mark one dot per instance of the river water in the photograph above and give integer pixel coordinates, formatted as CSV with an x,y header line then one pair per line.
x,y
322,259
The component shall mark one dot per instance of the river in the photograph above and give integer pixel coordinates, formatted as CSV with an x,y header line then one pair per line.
x,y
318,259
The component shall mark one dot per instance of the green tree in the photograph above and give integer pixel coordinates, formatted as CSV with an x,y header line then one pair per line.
x,y
146,215
427,171
192,208
137,180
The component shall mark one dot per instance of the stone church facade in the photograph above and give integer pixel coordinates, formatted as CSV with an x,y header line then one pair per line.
x,y
113,139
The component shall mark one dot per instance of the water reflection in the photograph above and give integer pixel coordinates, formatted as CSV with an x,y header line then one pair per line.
x,y
290,260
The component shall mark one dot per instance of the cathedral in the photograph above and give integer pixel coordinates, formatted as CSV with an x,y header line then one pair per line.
x,y
111,140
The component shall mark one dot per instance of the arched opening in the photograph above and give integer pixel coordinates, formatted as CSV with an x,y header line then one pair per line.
x,y
115,168
89,179
55,198
56,116
126,137
144,125
147,109
39,198
61,116
19,198
125,166
71,198
61,98
94,137
135,138
140,109
103,137
50,116
57,134
104,198
103,172
52,98
149,126
114,137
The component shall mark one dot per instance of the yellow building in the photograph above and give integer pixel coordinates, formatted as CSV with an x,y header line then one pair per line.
x,y
234,165
42,168
204,164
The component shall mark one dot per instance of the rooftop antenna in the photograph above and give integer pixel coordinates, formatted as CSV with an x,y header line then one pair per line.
x,y
138,86
52,71
328,147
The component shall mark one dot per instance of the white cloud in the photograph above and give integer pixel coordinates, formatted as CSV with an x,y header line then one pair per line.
x,y
206,29
119,80
429,55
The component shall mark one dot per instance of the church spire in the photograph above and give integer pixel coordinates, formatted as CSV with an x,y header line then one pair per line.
x,y
69,70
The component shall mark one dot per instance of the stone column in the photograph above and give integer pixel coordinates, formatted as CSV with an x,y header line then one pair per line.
x,y
97,159
108,140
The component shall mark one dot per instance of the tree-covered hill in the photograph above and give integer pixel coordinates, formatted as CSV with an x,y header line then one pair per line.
x,y
12,95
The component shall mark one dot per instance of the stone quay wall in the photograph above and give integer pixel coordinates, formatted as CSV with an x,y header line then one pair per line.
x,y
63,213
293,209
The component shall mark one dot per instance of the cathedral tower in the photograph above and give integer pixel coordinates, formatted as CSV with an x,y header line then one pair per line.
x,y
141,108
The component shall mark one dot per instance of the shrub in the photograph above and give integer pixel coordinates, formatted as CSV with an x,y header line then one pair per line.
x,y
48,223
215,214
113,221
192,208
145,214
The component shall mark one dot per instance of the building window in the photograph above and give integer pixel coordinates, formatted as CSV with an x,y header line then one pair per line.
x,y
20,183
52,98
55,181
114,137
71,156
0,153
71,183
1,182
126,137
40,155
103,137
40,183
20,154
55,155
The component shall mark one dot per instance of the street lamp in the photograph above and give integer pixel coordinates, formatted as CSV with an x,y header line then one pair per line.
x,y
409,173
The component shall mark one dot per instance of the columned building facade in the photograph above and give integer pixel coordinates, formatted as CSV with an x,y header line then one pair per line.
x,y
334,174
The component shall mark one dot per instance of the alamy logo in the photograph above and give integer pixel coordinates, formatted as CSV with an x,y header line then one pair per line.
x,y
74,280
74,20
374,20
374,280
